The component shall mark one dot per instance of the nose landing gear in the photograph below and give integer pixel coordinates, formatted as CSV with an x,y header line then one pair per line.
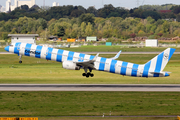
x,y
20,61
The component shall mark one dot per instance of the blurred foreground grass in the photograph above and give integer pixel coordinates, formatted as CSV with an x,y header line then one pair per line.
x,y
44,104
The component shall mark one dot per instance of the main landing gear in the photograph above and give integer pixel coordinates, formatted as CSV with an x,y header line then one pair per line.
x,y
88,74
20,61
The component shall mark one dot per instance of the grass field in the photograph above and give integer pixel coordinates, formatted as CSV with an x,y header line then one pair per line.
x,y
108,118
34,70
44,104
103,48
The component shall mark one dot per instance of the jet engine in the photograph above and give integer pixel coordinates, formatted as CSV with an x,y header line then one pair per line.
x,y
70,65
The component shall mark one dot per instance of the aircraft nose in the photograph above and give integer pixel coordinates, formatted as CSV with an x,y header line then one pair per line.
x,y
7,48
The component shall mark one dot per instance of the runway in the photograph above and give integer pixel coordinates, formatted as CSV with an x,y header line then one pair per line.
x,y
91,87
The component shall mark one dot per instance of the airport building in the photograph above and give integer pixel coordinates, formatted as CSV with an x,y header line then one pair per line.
x,y
151,43
24,38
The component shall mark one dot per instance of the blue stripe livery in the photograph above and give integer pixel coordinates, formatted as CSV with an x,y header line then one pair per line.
x,y
38,49
49,53
27,49
91,57
146,69
123,68
81,57
102,64
134,70
59,55
70,56
17,48
172,50
113,66
153,68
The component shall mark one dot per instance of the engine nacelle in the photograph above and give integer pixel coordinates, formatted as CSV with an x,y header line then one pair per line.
x,y
70,65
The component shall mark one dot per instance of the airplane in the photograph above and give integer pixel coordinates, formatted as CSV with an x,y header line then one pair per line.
x,y
76,61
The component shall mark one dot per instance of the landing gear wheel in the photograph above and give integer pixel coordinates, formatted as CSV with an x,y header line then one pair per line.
x,y
84,74
20,61
87,76
92,75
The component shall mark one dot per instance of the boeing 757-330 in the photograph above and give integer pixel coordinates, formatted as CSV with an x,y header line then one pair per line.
x,y
76,61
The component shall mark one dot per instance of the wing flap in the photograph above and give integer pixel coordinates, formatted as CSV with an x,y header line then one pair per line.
x,y
88,64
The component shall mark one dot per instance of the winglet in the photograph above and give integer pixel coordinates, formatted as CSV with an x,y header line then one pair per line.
x,y
117,56
94,59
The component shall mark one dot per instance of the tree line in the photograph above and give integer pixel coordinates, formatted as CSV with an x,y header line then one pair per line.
x,y
107,11
88,24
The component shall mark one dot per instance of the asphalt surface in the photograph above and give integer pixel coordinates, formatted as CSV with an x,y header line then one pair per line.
x,y
90,87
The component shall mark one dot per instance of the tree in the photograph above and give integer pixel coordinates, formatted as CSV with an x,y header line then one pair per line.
x,y
92,10
153,14
178,17
104,12
43,23
133,35
83,28
4,36
165,27
89,30
59,31
76,13
87,18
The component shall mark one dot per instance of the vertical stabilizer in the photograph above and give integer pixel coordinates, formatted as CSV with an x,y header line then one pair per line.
x,y
158,63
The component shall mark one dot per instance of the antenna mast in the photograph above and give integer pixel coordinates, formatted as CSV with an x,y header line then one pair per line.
x,y
137,3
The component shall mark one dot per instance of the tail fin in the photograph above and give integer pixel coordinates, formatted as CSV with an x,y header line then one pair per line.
x,y
158,63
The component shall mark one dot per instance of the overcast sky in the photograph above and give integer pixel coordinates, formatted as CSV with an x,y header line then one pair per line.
x,y
99,3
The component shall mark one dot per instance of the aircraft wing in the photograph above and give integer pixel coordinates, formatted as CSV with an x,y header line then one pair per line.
x,y
117,55
88,64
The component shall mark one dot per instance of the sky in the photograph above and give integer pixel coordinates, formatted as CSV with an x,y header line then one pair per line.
x,y
99,3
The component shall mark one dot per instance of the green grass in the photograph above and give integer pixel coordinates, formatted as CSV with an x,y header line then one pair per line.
x,y
107,118
34,70
103,48
46,104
